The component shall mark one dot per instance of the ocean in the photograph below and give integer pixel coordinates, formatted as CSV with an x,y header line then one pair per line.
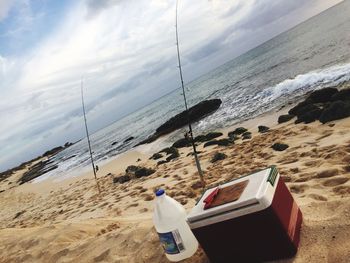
x,y
312,55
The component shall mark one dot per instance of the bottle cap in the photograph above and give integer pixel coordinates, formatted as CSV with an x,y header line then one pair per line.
x,y
160,192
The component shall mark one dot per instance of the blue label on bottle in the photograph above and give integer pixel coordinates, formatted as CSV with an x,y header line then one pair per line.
x,y
171,242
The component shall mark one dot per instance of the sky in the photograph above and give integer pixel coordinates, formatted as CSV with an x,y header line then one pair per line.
x,y
125,53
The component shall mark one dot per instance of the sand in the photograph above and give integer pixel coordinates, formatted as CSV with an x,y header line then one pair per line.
x,y
68,221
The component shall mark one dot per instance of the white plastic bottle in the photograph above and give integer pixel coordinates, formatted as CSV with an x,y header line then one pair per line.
x,y
174,233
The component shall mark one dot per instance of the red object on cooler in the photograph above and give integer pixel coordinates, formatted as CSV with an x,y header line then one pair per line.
x,y
263,224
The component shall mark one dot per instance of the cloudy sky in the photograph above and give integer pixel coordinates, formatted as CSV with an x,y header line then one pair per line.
x,y
125,52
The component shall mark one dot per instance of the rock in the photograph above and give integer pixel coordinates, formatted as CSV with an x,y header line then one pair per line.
x,y
213,135
222,142
122,179
172,156
237,131
114,143
298,109
335,111
194,113
209,136
138,171
129,139
169,150
322,95
37,170
310,114
342,95
263,129
233,136
53,151
246,136
68,144
200,138
181,143
156,156
180,120
131,169
218,156
143,171
161,162
285,118
279,147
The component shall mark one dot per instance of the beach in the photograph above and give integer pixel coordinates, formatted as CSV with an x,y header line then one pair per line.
x,y
69,221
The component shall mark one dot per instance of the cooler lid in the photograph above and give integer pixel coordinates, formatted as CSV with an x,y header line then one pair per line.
x,y
254,191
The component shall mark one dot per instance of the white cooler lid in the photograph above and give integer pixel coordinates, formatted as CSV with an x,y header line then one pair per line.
x,y
257,196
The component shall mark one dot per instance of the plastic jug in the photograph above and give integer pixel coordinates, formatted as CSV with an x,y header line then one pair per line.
x,y
174,233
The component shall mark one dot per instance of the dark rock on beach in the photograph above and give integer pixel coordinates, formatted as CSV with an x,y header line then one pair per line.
x,y
222,142
169,150
180,120
37,170
335,111
131,169
172,156
161,162
237,131
181,143
246,136
138,171
279,147
156,156
309,114
218,157
143,171
285,118
343,95
263,129
122,179
324,105
323,95
207,137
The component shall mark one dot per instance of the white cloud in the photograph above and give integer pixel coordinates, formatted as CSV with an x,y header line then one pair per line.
x,y
5,7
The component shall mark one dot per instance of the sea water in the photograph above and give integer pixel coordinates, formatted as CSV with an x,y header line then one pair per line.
x,y
313,55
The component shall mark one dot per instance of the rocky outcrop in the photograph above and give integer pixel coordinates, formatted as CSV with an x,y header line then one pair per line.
x,y
324,105
37,170
180,120
335,111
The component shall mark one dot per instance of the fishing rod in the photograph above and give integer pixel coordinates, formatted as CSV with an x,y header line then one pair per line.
x,y
88,138
200,172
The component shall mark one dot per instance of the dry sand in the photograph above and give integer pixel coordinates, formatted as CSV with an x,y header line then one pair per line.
x,y
69,222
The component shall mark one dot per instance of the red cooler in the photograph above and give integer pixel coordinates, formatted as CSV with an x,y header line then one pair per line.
x,y
251,219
